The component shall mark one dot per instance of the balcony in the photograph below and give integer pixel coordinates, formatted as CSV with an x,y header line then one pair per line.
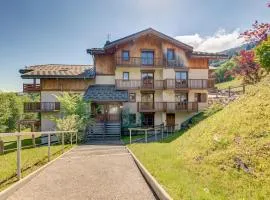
x,y
149,62
31,87
187,84
172,107
41,106
139,61
169,107
139,84
151,107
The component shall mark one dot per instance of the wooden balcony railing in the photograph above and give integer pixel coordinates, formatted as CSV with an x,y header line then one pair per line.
x,y
189,84
170,107
151,107
149,62
173,107
41,106
139,84
31,87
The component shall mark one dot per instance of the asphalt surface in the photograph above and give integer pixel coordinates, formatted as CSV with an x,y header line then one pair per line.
x,y
94,171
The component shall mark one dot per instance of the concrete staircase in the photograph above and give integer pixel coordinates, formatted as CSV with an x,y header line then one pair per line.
x,y
104,131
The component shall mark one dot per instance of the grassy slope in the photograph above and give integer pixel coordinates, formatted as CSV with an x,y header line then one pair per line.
x,y
200,164
227,84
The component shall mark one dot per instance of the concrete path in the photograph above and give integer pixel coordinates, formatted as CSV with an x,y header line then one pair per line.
x,y
89,172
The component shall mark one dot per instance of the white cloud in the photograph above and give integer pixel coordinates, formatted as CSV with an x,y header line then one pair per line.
x,y
220,41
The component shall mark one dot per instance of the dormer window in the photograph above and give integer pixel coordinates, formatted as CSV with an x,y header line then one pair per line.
x,y
125,55
170,54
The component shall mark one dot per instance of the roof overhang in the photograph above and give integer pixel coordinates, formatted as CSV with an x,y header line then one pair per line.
x,y
208,55
111,45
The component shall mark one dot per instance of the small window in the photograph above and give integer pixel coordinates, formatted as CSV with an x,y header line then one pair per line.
x,y
170,54
132,97
200,97
126,76
125,55
132,118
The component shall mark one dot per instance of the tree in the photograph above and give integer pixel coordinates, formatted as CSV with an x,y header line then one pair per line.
x,y
263,54
75,111
247,67
257,33
222,73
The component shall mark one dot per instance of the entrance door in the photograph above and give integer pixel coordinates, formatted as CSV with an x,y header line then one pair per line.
x,y
170,118
148,119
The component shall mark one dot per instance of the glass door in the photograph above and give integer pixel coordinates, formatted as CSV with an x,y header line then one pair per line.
x,y
147,80
147,58
181,80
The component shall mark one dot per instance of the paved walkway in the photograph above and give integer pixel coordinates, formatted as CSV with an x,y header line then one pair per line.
x,y
89,172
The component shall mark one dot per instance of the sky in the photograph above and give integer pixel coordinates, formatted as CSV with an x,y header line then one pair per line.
x,y
59,31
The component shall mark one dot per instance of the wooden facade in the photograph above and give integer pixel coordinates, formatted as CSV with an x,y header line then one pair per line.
x,y
65,84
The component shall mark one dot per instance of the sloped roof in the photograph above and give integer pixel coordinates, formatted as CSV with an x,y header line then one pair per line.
x,y
123,40
106,93
58,71
199,54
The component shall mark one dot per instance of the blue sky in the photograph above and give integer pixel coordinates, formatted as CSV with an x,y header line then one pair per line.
x,y
60,31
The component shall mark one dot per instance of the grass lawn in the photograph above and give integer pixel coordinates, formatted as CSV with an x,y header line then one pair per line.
x,y
225,156
226,85
32,159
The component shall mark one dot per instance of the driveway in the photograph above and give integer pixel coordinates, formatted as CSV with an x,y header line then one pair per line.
x,y
92,171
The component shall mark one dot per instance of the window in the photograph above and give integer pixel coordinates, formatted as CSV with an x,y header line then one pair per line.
x,y
200,97
132,118
132,97
125,55
170,54
126,76
147,57
181,75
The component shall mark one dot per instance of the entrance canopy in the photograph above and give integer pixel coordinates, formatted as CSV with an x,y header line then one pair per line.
x,y
105,93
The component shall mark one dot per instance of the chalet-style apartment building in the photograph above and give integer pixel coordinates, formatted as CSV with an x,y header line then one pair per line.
x,y
157,78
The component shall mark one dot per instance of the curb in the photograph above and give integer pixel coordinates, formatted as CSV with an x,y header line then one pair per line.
x,y
152,182
16,186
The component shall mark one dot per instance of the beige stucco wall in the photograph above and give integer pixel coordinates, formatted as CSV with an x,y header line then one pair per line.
x,y
168,73
105,80
134,72
198,74
168,96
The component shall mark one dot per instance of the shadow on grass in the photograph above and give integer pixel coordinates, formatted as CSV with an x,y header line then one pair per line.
x,y
11,146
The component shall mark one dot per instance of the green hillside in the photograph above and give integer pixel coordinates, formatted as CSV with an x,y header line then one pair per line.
x,y
226,156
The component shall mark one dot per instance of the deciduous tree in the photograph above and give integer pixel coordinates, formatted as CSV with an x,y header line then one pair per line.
x,y
247,67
